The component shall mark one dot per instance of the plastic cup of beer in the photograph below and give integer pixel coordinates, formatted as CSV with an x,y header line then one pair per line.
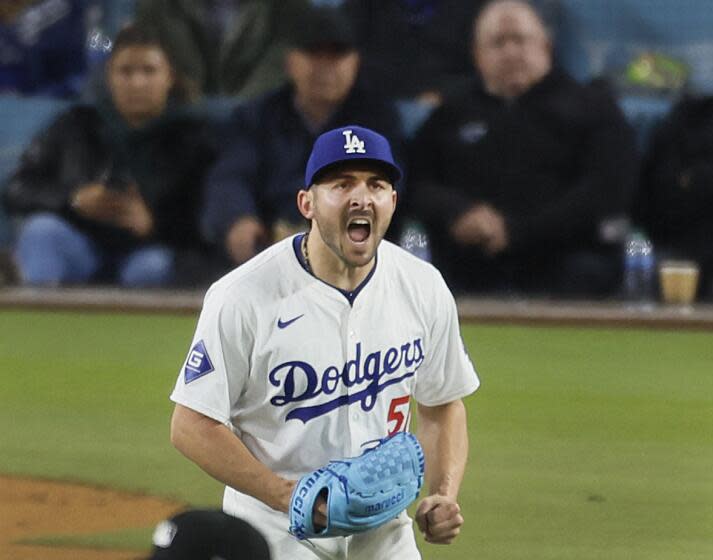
x,y
678,280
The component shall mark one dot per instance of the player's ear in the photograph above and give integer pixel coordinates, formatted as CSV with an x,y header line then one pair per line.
x,y
305,203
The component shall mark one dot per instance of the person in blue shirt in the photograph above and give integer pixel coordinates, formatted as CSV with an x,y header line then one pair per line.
x,y
250,192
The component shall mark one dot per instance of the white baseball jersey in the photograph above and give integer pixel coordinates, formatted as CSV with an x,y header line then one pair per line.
x,y
303,375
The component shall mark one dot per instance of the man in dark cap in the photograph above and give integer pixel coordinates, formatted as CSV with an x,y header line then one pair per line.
x,y
251,191
207,535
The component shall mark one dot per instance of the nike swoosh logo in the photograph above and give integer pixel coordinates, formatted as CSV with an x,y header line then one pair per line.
x,y
284,324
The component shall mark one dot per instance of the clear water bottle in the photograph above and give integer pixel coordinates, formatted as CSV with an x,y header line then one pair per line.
x,y
415,240
639,268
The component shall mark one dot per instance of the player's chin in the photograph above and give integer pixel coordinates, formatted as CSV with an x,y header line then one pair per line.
x,y
359,253
359,259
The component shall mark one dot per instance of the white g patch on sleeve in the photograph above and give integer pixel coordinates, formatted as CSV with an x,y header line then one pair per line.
x,y
198,363
203,383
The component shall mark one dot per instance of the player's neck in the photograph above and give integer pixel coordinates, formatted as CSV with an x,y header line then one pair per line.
x,y
328,267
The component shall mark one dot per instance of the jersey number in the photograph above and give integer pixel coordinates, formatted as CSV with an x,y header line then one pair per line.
x,y
395,415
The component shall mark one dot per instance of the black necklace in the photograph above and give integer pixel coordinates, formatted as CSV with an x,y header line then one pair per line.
x,y
305,253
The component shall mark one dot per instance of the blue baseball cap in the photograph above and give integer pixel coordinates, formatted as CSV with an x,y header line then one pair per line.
x,y
349,143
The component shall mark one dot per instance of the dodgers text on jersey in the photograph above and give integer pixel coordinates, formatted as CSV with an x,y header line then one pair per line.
x,y
375,372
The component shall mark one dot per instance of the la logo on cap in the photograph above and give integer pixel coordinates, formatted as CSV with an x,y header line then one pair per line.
x,y
352,144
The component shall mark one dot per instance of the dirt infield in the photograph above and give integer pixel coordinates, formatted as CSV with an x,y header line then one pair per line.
x,y
32,508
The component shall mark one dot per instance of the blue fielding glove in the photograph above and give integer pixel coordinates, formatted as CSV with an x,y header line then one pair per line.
x,y
362,493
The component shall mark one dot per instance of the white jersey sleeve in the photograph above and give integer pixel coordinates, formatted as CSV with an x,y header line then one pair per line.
x,y
447,372
222,337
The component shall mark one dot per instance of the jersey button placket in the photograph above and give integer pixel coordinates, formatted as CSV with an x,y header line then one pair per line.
x,y
351,327
355,419
349,349
352,348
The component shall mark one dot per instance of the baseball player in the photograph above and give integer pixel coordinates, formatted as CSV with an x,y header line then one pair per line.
x,y
318,346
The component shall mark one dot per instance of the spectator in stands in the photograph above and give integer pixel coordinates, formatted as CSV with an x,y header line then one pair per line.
x,y
250,195
42,47
208,535
515,176
414,48
231,47
112,192
676,200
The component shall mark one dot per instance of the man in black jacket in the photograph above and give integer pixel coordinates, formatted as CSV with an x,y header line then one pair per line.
x,y
250,193
515,176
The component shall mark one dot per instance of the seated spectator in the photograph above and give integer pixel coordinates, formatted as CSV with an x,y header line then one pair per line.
x,y
230,47
208,535
42,47
515,176
250,194
676,200
111,192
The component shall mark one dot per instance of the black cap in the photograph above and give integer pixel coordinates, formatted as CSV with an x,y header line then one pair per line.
x,y
323,27
208,535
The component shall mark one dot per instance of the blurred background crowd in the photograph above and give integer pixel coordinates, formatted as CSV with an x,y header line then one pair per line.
x,y
551,147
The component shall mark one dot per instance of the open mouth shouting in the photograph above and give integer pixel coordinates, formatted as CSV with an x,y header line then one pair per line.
x,y
359,229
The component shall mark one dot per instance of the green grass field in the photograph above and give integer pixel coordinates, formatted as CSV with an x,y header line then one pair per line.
x,y
585,443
